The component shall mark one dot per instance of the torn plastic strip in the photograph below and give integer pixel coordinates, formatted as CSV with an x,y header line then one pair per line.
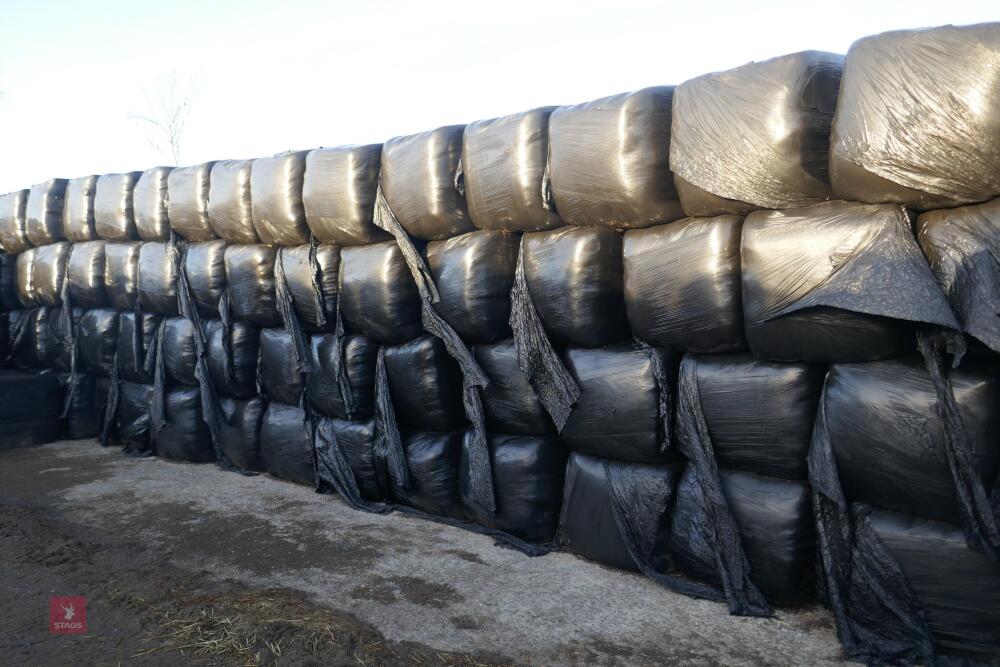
x,y
342,378
17,340
286,308
500,538
548,199
110,404
386,220
459,181
742,595
389,452
69,331
319,305
666,400
227,331
980,520
334,471
553,384
158,408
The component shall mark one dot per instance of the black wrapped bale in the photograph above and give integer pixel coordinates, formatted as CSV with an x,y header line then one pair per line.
x,y
626,402
610,160
121,273
357,441
603,496
889,442
187,202
38,347
509,402
312,284
82,418
9,297
180,351
958,588
285,444
250,277
62,333
29,408
338,194
575,277
378,297
963,248
768,122
86,274
835,282
474,274
114,214
25,270
205,267
239,435
504,165
232,359
158,269
938,149
136,338
425,383
185,435
528,477
97,340
775,523
44,212
276,193
13,233
133,429
759,414
48,272
149,200
433,461
359,359
230,209
280,378
78,209
682,284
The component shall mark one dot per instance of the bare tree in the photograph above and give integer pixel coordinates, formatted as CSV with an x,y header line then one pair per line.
x,y
167,107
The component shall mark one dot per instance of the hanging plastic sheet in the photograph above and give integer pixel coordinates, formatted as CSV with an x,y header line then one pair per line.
x,y
187,202
311,275
78,209
157,280
18,339
682,284
149,201
185,435
609,160
230,209
133,418
509,402
97,341
239,432
62,333
286,447
85,272
13,231
121,273
251,286
276,194
82,418
280,379
48,272
338,194
389,452
114,214
356,359
346,461
768,122
232,354
9,297
29,408
136,343
44,212
205,267
432,460
378,297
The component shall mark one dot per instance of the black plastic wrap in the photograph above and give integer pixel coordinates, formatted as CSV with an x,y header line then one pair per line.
x,y
86,274
78,209
356,441
135,344
159,264
528,485
180,351
610,160
24,268
205,266
575,278
13,234
426,385
963,248
121,273
82,417
682,284
250,278
239,433
185,435
357,357
419,179
97,340
504,164
286,447
626,402
114,215
149,201
280,379
433,461
230,209
187,202
29,408
836,282
133,428
276,194
774,518
48,272
510,404
339,194
63,334
37,346
232,354
474,274
44,212
19,338
9,297
312,272
378,297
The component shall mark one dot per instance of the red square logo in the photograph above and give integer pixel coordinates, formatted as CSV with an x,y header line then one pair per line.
x,y
68,615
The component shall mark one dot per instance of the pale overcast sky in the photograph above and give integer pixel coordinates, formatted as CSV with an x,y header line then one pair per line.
x,y
276,75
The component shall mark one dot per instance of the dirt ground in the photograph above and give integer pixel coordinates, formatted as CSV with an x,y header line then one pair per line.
x,y
189,564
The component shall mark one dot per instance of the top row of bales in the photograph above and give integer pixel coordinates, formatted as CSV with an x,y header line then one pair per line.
x,y
908,117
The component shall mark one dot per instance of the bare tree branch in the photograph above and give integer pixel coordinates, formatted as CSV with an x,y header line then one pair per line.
x,y
167,110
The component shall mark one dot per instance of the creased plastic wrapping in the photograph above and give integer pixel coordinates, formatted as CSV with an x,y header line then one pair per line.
x,y
360,486
48,271
180,351
185,435
285,444
378,297
29,338
276,192
426,385
187,202
205,266
338,194
149,201
420,183
85,273
114,214
121,273
836,282
250,276
963,248
432,460
29,408
135,343
230,209
43,214
9,297
312,275
917,118
13,233
768,123
239,436
82,419
510,404
504,166
280,379
24,268
474,274
159,265
132,419
232,354
63,334
357,357
97,339
610,160
682,284
78,209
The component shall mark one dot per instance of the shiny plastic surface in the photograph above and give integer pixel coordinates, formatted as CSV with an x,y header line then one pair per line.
x,y
135,344
338,194
97,341
114,214
359,357
121,273
13,233
232,359
425,383
132,419
48,272
205,266
239,437
378,297
250,277
149,202
86,274
509,402
357,441
43,214
313,292
185,436
285,446
180,352
433,461
24,268
158,267
280,379
230,210
78,209
276,193
187,202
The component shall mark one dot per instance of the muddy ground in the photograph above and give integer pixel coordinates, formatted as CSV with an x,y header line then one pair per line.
x,y
192,564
